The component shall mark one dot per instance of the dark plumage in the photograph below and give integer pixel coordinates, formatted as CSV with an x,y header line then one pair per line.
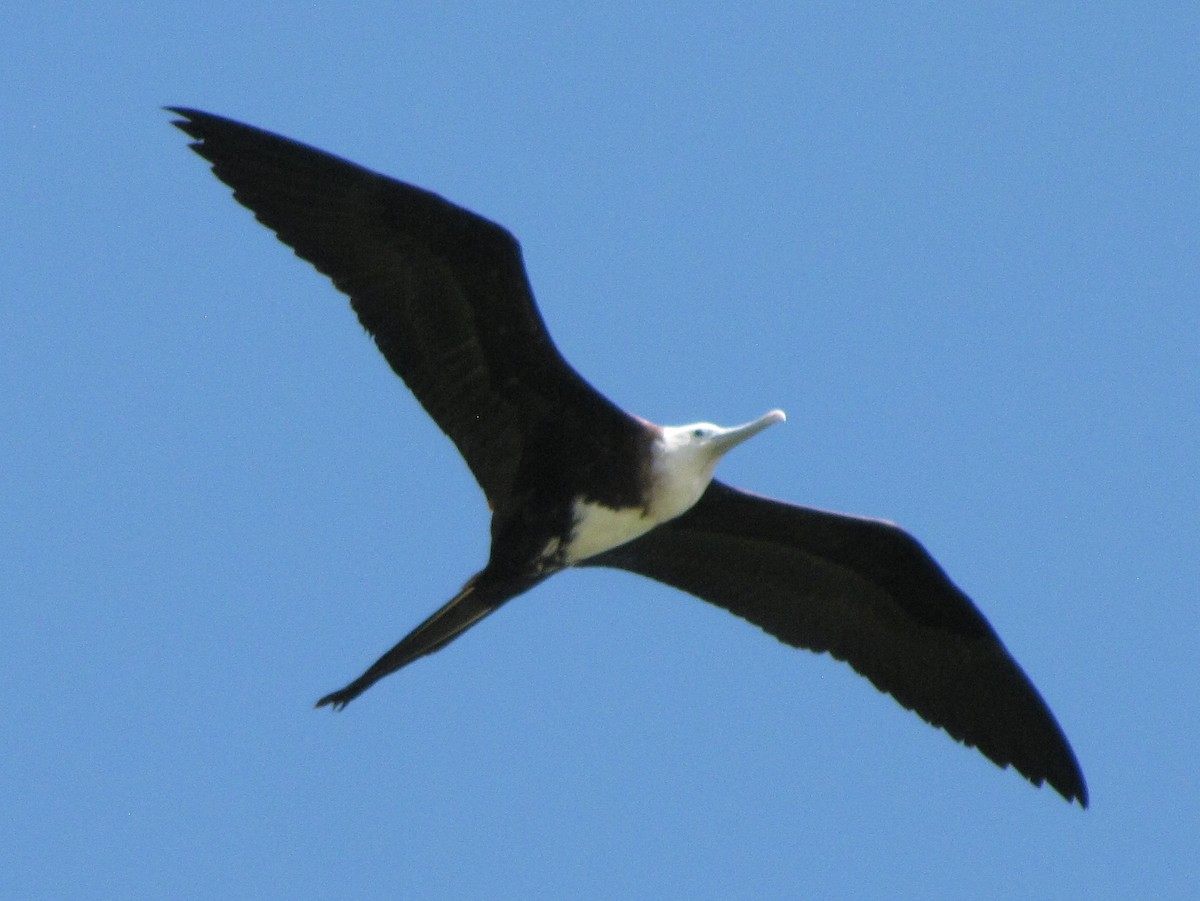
x,y
445,296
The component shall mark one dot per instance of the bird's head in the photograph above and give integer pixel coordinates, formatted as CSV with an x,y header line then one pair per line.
x,y
688,454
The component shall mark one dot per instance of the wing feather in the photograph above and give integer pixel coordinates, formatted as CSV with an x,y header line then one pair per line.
x,y
442,291
868,593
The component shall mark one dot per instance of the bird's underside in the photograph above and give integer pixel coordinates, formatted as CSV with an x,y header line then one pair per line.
x,y
444,294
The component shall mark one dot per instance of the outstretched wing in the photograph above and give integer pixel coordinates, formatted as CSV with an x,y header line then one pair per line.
x,y
441,290
869,594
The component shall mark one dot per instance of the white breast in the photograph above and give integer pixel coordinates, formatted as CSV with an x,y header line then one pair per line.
x,y
678,477
598,528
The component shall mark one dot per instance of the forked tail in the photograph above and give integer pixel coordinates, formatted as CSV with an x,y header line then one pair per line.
x,y
464,610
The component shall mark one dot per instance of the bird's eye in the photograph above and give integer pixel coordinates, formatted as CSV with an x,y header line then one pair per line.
x,y
697,433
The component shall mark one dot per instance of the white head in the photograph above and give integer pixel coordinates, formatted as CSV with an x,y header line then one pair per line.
x,y
687,455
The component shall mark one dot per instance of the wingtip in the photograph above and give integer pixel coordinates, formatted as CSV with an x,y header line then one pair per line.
x,y
1072,784
1074,798
1072,787
1080,795
185,113
197,123
188,121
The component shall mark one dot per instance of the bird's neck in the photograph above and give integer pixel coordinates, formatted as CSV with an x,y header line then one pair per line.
x,y
676,478
678,475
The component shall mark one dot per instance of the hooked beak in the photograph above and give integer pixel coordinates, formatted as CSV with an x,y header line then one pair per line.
x,y
728,439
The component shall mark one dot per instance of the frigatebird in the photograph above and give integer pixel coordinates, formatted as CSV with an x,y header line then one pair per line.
x,y
573,480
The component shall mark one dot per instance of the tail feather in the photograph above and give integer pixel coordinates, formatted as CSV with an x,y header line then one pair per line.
x,y
461,612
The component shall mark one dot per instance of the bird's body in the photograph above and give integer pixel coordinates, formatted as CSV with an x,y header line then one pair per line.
x,y
572,480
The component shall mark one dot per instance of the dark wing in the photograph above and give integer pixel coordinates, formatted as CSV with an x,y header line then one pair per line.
x,y
869,594
441,290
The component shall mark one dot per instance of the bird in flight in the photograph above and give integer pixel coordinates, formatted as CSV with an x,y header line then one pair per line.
x,y
573,480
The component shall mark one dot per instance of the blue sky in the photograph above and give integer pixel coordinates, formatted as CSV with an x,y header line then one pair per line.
x,y
958,247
